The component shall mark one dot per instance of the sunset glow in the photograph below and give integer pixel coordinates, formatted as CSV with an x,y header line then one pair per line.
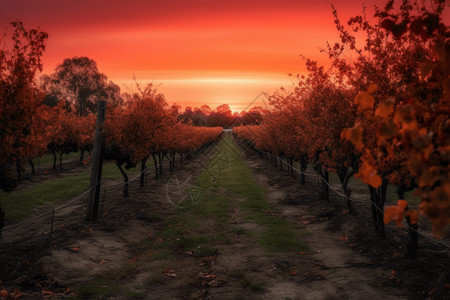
x,y
198,52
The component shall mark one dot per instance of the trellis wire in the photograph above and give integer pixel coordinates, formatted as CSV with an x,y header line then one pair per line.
x,y
359,200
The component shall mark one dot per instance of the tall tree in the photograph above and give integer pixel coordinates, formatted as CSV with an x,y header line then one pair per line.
x,y
22,123
20,100
80,82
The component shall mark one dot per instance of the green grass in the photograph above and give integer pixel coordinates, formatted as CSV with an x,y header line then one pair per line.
x,y
96,289
103,289
48,158
155,278
201,229
278,234
241,230
254,286
19,204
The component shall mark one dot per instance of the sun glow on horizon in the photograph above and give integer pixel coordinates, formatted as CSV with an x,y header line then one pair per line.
x,y
237,92
196,52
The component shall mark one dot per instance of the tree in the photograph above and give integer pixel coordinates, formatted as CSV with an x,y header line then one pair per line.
x,y
78,82
413,126
21,108
22,114
402,74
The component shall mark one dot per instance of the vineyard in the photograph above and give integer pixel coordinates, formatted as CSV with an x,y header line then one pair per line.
x,y
338,189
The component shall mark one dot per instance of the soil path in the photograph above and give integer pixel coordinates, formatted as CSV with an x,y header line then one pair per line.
x,y
121,254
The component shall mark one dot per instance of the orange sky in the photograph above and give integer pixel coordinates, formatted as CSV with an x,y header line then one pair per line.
x,y
197,51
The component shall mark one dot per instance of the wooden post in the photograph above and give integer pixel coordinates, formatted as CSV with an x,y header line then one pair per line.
x,y
92,207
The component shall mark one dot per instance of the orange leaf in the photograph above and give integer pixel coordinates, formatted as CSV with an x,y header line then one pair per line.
x,y
4,293
395,213
365,100
402,203
368,174
385,109
16,294
373,87
44,292
354,135
413,216
293,272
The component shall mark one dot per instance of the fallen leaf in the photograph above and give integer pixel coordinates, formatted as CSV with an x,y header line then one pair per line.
x,y
293,272
44,292
132,260
4,293
16,294
169,273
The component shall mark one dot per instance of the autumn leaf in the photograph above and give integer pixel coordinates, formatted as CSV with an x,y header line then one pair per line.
x,y
354,135
385,108
44,292
368,174
365,100
402,203
293,272
4,293
16,294
413,216
373,87
395,213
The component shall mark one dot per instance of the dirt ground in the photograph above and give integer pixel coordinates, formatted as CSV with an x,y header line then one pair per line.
x,y
344,259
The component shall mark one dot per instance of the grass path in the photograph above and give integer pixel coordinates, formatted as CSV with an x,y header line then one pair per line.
x,y
227,215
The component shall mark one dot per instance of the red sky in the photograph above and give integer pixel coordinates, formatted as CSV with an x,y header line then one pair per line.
x,y
197,51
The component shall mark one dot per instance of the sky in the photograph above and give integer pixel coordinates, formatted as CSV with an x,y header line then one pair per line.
x,y
196,51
